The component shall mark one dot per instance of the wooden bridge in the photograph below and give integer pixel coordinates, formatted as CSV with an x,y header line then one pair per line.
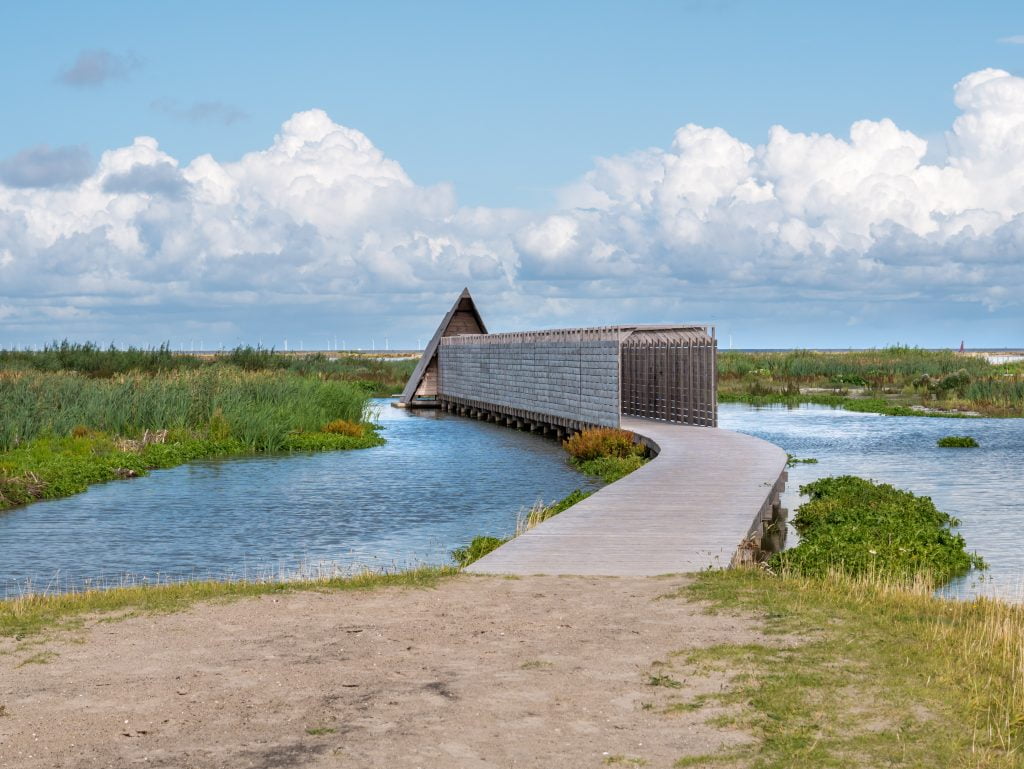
x,y
693,507
709,498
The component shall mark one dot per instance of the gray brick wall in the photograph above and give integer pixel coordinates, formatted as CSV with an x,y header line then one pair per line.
x,y
573,375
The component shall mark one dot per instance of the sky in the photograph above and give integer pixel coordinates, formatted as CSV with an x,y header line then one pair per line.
x,y
800,174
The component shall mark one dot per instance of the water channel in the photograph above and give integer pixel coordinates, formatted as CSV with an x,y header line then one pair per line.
x,y
441,480
438,482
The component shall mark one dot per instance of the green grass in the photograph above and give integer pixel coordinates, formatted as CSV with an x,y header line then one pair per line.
x,y
792,461
476,549
864,672
957,442
886,381
862,528
621,760
29,615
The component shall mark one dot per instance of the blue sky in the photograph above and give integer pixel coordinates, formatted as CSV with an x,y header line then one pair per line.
x,y
487,108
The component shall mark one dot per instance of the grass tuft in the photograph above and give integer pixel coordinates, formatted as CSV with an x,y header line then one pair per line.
x,y
317,731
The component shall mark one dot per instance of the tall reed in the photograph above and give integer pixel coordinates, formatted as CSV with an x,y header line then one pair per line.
x,y
258,408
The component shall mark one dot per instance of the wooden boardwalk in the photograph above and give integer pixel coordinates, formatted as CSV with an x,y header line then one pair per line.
x,y
686,510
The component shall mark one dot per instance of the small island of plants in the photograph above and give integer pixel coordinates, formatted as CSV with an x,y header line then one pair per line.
x,y
957,442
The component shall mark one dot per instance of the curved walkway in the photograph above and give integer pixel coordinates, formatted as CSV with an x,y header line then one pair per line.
x,y
686,510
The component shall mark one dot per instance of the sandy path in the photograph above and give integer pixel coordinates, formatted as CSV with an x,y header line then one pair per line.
x,y
480,672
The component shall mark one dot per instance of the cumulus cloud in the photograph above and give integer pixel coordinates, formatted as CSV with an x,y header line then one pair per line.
x,y
1013,39
863,213
321,224
201,111
96,67
42,166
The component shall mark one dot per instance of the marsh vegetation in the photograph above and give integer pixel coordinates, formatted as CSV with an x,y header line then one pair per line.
x,y
77,414
900,381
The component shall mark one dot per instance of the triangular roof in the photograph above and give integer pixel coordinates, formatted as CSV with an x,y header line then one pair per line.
x,y
462,305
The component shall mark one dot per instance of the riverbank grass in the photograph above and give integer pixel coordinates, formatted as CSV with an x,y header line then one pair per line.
x,y
860,671
606,453
32,614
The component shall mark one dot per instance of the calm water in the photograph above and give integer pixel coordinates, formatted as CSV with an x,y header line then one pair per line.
x,y
438,482
983,487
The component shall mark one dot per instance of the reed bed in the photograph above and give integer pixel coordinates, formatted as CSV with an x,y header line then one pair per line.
x,y
259,409
886,381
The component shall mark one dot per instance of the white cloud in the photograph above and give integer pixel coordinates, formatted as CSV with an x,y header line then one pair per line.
x,y
323,223
1013,39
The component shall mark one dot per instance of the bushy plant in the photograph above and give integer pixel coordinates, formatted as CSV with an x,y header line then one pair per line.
x,y
603,442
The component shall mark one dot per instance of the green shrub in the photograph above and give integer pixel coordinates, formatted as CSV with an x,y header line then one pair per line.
x,y
957,442
857,527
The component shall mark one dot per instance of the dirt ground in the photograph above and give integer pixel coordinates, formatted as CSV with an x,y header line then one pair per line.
x,y
545,672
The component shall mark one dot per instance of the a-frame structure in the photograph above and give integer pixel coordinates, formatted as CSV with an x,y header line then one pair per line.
x,y
462,318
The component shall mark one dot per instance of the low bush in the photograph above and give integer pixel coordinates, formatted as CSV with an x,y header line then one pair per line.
x,y
854,526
